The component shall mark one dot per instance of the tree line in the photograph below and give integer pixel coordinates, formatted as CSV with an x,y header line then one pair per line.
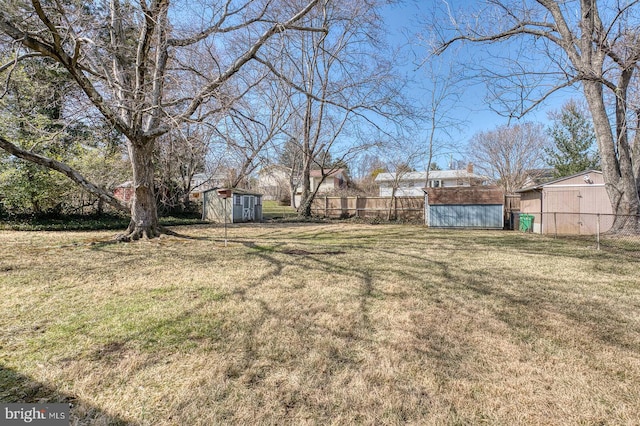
x,y
158,91
171,78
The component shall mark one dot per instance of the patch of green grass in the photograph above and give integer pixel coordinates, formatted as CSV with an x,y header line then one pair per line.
x,y
273,210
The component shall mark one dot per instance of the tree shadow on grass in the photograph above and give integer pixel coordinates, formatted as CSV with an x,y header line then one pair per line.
x,y
19,388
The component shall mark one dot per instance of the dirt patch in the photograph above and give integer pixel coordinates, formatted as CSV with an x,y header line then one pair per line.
x,y
109,351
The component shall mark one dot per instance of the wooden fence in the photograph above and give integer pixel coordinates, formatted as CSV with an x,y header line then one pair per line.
x,y
412,208
404,208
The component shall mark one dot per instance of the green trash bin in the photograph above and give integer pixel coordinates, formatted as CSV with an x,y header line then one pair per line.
x,y
526,222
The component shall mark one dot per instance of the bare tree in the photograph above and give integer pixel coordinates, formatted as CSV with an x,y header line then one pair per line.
x,y
179,155
443,97
400,157
253,125
590,44
290,157
365,170
341,81
510,154
129,58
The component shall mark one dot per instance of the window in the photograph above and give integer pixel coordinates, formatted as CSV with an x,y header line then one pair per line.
x,y
435,183
237,200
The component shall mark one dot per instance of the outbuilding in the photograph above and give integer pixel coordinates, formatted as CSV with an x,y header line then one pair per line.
x,y
471,207
231,205
570,205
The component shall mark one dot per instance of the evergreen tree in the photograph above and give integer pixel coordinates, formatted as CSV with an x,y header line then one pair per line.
x,y
30,112
573,142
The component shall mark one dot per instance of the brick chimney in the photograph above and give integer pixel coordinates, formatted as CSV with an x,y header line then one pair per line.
x,y
470,168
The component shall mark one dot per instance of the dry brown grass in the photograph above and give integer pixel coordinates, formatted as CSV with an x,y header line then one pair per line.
x,y
321,324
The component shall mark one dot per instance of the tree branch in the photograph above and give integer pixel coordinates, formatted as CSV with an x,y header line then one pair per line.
x,y
210,88
72,174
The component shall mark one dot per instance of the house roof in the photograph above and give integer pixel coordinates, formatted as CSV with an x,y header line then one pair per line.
x,y
434,174
540,186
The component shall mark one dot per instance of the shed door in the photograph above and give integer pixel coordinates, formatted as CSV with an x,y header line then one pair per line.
x,y
566,206
247,207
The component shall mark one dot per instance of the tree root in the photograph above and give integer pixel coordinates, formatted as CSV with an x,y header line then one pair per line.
x,y
134,233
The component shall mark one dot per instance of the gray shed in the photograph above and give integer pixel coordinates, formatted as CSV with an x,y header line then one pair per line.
x,y
237,205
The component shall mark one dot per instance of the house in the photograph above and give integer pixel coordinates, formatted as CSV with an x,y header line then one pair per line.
x,y
335,179
411,184
569,205
273,182
231,205
201,182
332,181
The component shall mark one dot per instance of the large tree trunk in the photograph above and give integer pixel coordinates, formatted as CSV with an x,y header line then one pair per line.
x,y
621,183
144,212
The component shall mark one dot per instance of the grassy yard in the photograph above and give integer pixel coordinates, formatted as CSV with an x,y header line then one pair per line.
x,y
321,324
273,210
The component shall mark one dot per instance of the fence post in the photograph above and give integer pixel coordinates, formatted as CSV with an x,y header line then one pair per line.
x,y
395,208
598,231
425,209
326,206
555,225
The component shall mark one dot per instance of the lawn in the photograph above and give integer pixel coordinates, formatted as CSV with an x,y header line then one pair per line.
x,y
321,324
273,210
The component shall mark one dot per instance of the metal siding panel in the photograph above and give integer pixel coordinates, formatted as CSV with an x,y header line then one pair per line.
x,y
466,216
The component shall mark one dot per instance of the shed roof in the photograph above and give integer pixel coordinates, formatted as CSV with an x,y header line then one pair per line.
x,y
487,195
542,185
238,191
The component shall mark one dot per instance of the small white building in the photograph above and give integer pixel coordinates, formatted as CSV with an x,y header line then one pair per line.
x,y
231,205
411,184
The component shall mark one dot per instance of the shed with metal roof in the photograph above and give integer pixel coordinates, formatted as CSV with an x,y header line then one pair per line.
x,y
231,205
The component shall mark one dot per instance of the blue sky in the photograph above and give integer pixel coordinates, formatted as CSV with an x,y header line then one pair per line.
x,y
473,110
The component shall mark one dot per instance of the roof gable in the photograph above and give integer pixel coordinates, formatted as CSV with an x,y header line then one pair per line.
x,y
559,180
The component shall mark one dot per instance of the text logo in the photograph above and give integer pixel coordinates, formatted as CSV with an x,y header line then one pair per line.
x,y
34,414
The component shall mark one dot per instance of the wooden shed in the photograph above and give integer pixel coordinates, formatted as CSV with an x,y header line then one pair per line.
x,y
231,205
480,207
569,205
